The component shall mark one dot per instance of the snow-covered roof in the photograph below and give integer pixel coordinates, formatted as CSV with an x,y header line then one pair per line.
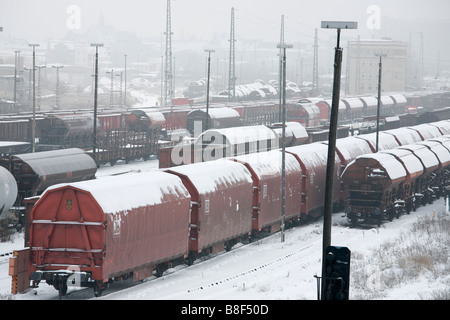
x,y
58,161
370,101
405,136
427,131
386,101
12,143
440,151
409,160
269,163
207,177
131,190
399,99
155,116
342,105
443,125
350,147
219,113
312,155
385,141
295,129
353,103
427,157
393,168
239,135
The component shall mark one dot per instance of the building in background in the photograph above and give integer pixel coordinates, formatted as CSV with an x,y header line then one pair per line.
x,y
363,63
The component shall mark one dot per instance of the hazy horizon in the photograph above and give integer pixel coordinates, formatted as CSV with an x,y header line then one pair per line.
x,y
45,19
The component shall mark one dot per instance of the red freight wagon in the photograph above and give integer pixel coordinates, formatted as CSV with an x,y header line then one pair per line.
x,y
110,121
221,195
374,185
348,149
117,227
313,161
431,165
266,174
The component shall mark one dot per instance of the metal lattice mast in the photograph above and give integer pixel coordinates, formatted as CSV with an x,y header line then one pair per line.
x,y
231,69
168,72
316,64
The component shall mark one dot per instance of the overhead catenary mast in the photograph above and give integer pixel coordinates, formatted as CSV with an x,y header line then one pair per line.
x,y
232,69
168,72
316,64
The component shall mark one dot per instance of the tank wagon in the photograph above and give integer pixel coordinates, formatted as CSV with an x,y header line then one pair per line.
x,y
8,190
34,172
217,118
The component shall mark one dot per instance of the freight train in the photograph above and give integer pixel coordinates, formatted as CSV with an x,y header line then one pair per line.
x,y
386,184
131,225
137,133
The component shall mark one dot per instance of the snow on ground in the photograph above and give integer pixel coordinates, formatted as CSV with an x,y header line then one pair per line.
x,y
263,270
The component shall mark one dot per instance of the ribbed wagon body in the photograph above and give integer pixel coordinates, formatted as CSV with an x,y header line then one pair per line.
x,y
110,227
266,171
221,204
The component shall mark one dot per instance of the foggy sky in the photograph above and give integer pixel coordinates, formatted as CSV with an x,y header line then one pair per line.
x,y
254,19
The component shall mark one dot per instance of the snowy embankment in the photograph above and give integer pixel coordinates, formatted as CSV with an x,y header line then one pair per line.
x,y
393,261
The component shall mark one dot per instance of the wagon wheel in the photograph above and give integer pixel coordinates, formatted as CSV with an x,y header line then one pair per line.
x,y
354,220
190,259
228,245
98,288
160,268
390,215
61,286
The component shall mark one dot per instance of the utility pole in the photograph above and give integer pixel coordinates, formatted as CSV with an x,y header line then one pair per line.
x,y
231,66
94,138
33,123
16,62
328,206
379,96
280,78
207,88
125,88
282,86
168,74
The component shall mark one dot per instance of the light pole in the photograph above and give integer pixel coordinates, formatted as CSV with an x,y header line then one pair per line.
x,y
57,84
328,207
282,86
94,142
125,91
33,123
16,62
379,96
207,87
